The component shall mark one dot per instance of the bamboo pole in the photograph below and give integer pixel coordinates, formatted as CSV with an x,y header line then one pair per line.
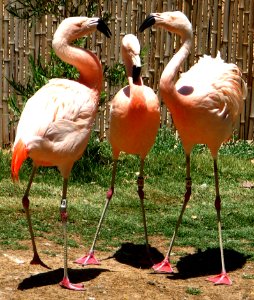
x,y
250,77
1,71
230,28
240,63
214,31
206,16
5,112
49,36
234,33
225,30
199,32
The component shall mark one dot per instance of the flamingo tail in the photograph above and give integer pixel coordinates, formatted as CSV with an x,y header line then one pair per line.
x,y
20,153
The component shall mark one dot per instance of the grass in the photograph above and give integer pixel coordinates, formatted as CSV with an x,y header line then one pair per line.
x,y
164,190
193,291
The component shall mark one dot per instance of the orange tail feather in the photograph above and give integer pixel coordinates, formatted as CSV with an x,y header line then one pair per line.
x,y
20,153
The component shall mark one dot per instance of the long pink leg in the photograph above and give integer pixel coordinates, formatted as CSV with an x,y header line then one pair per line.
x,y
222,278
141,194
64,216
90,259
164,266
25,202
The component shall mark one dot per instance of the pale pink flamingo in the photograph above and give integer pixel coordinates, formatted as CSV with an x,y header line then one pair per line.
x,y
204,103
134,122
56,123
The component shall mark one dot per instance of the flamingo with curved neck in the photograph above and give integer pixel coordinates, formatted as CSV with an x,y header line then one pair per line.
x,y
133,125
204,103
55,125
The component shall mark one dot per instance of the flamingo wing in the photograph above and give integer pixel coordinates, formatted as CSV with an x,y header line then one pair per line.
x,y
214,85
56,122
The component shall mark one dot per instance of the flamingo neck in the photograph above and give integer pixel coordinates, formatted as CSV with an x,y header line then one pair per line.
x,y
85,61
167,85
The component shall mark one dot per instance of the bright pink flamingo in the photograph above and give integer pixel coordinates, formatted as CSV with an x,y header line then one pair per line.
x,y
134,122
205,103
56,123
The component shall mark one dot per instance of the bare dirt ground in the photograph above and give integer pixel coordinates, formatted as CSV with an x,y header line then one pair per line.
x,y
124,274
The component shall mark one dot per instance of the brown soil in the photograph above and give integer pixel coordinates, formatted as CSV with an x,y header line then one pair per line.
x,y
122,275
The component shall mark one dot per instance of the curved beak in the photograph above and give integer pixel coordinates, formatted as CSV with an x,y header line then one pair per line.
x,y
102,27
136,68
136,71
148,22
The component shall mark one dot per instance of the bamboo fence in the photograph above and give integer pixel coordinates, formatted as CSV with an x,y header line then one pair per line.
x,y
218,25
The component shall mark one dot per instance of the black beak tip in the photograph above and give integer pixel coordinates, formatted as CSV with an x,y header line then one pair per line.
x,y
136,71
102,27
148,22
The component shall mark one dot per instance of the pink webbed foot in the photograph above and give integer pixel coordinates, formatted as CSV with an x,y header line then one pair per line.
x,y
65,283
221,279
163,267
37,261
88,260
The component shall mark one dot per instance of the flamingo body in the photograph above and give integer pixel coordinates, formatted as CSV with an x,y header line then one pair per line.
x,y
207,115
133,125
205,104
134,119
56,123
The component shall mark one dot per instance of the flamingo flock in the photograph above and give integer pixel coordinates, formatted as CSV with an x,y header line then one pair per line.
x,y
56,123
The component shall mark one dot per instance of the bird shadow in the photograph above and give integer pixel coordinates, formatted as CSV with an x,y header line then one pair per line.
x,y
208,262
137,256
193,265
55,276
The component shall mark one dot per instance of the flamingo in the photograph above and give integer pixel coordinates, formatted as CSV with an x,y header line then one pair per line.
x,y
133,126
205,103
56,123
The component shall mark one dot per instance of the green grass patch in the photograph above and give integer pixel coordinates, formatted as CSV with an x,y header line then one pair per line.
x,y
193,291
164,192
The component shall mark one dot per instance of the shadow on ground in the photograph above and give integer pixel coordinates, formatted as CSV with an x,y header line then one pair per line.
x,y
54,277
137,256
198,264
208,262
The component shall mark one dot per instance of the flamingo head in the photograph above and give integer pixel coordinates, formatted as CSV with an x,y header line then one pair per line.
x,y
131,52
73,28
173,21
